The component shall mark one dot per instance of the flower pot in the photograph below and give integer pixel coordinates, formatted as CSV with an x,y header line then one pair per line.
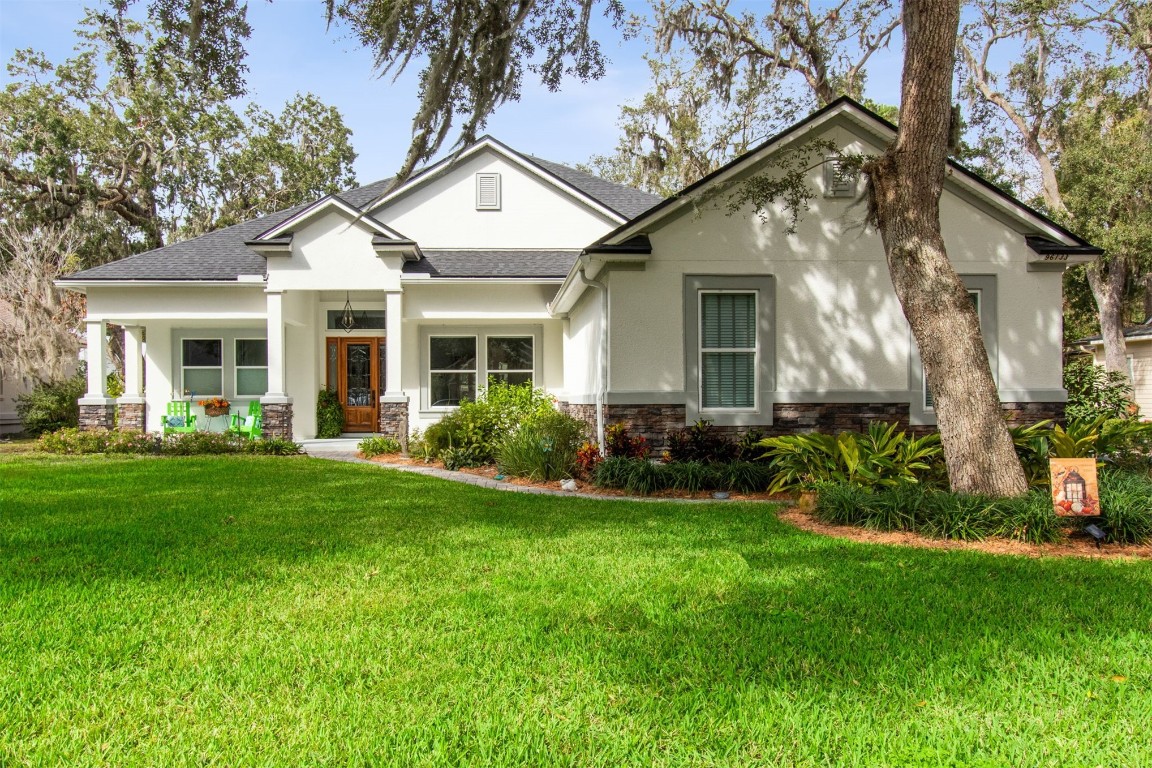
x,y
806,501
215,410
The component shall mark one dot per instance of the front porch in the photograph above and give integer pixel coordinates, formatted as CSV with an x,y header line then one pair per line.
x,y
280,348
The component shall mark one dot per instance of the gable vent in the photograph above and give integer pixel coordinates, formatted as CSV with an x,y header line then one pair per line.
x,y
839,178
487,191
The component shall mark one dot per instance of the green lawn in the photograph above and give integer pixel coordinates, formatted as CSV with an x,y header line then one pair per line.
x,y
270,611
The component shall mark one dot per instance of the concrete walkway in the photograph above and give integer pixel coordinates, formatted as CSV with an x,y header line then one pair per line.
x,y
344,449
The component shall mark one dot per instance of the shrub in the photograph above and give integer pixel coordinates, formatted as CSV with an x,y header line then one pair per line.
x,y
542,449
1029,518
378,446
939,513
461,458
73,441
1094,392
618,442
644,477
689,476
880,457
588,458
748,447
1126,507
743,476
702,442
613,472
52,406
477,427
329,414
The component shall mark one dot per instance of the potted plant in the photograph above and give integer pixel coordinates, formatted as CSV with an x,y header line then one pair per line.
x,y
215,406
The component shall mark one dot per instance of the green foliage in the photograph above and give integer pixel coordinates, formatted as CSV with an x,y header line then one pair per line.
x,y
613,472
329,414
588,458
1126,506
689,476
114,384
53,406
882,456
463,457
543,449
645,477
743,476
76,442
702,442
1094,392
1032,447
378,446
474,430
619,442
940,513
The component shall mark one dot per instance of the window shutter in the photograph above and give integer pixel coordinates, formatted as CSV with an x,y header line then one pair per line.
x,y
487,191
728,323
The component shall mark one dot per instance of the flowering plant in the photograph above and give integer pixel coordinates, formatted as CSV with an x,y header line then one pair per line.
x,y
214,402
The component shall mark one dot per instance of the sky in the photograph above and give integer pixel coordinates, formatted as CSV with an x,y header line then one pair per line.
x,y
291,51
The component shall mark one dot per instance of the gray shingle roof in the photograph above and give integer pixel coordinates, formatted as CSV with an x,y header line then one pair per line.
x,y
626,201
222,255
493,263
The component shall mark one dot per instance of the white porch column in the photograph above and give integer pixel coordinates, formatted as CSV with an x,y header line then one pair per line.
x,y
97,351
133,362
276,388
393,316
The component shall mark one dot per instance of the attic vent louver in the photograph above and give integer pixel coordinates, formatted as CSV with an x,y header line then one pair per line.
x,y
839,178
487,191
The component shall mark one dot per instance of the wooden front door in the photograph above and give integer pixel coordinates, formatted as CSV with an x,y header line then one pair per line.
x,y
355,371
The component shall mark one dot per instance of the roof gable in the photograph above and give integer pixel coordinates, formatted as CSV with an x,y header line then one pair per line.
x,y
868,121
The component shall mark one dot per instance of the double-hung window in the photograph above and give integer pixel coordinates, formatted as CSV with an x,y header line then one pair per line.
x,y
202,367
510,359
251,367
452,370
728,350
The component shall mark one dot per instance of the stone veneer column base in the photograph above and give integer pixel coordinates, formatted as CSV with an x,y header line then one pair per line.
x,y
92,416
394,421
130,417
277,420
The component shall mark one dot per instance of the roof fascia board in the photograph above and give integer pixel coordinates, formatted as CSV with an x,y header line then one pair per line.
x,y
433,280
509,154
359,217
120,283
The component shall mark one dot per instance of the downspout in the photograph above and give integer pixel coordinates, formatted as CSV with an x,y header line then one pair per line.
x,y
602,361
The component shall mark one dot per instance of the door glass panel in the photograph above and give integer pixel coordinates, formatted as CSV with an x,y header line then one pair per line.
x,y
333,366
359,374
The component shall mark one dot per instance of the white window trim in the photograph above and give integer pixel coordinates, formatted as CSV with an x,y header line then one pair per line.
x,y
755,350
183,367
475,371
482,333
481,205
237,367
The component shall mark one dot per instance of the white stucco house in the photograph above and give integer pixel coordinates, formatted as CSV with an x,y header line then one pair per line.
x,y
1138,351
498,264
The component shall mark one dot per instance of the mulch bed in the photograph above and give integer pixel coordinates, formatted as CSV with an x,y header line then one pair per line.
x,y
1078,544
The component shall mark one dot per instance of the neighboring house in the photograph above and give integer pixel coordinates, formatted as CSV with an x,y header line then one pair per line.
x,y
1138,349
502,265
10,387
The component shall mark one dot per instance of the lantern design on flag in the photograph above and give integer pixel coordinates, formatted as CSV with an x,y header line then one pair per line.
x,y
1074,488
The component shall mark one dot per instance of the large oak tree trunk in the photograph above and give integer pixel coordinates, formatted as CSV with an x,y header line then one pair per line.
x,y
906,183
1107,279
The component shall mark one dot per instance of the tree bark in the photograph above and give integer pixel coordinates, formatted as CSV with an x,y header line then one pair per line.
x,y
906,183
1107,279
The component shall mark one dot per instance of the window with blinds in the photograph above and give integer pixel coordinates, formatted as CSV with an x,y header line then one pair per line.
x,y
928,402
728,347
487,191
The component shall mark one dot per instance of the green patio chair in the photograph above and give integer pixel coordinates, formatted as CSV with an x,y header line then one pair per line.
x,y
251,425
178,418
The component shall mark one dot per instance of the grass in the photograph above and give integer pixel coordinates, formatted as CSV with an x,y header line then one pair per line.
x,y
272,611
